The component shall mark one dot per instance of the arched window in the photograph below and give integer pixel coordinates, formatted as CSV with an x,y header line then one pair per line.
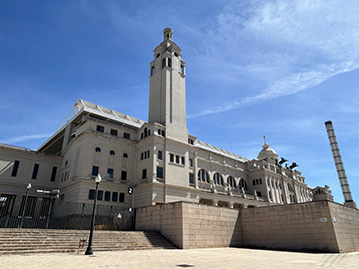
x,y
125,155
218,179
231,182
98,149
203,176
112,152
243,184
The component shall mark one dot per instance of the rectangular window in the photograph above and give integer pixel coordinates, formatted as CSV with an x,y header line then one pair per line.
x,y
163,62
34,171
152,70
159,172
159,155
91,194
182,69
53,173
100,128
190,162
182,160
15,168
169,62
191,178
142,155
94,170
122,197
144,173
109,173
107,195
114,196
114,132
126,135
177,159
124,175
171,158
99,195
254,182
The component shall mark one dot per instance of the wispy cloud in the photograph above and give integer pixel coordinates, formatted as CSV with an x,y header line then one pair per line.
x,y
284,47
25,138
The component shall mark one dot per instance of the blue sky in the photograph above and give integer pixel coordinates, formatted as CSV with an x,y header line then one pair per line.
x,y
274,68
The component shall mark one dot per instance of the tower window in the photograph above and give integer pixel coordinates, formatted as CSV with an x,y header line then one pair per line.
x,y
112,152
158,55
98,149
169,62
163,62
125,155
152,70
182,69
175,54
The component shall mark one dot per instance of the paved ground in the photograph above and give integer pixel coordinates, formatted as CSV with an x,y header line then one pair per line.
x,y
218,258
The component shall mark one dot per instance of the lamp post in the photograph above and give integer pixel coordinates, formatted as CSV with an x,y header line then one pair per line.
x,y
89,247
28,187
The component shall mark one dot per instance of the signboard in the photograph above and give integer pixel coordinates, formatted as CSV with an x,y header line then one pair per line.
x,y
130,190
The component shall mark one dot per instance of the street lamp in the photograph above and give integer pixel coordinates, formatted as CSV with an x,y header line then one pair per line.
x,y
89,247
28,187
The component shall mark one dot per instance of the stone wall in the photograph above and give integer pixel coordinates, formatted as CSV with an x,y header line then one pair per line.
x,y
300,227
190,225
321,226
346,226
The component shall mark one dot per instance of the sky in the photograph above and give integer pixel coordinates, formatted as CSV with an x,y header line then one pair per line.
x,y
270,68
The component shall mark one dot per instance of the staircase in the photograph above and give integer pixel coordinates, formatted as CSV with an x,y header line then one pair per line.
x,y
24,241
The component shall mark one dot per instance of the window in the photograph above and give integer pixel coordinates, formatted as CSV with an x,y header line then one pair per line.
x,y
53,173
158,55
203,176
15,168
182,69
175,54
171,158
163,62
152,70
112,152
169,62
126,135
182,160
190,162
243,184
144,173
91,194
191,178
231,182
218,179
125,155
44,208
114,196
94,170
98,149
107,195
159,156
177,159
34,172
124,175
122,197
159,172
99,195
114,132
109,173
100,128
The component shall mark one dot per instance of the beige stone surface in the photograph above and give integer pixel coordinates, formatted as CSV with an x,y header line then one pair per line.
x,y
193,258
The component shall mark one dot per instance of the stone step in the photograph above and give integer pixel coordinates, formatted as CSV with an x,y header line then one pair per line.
x,y
22,241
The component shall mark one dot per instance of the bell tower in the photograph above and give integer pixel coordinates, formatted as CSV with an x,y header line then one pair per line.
x,y
167,104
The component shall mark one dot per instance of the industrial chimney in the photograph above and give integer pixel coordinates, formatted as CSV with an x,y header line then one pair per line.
x,y
348,199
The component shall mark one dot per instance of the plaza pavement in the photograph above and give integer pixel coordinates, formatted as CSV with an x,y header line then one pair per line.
x,y
191,258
